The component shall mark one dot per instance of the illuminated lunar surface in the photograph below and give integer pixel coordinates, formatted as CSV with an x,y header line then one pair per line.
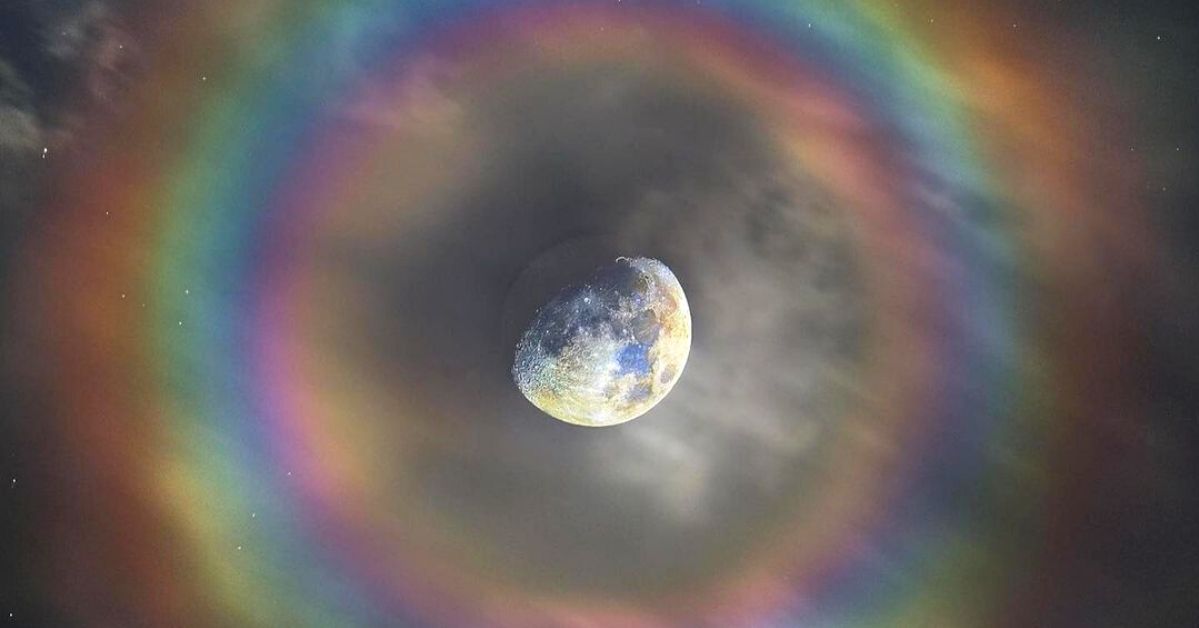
x,y
608,350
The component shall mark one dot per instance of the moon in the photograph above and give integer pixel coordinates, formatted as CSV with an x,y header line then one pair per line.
x,y
609,349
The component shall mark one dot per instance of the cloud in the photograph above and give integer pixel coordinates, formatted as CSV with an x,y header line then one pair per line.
x,y
561,178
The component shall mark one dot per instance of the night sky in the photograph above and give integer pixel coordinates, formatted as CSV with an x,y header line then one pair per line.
x,y
265,262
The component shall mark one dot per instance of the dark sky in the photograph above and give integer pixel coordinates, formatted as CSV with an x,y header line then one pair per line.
x,y
438,305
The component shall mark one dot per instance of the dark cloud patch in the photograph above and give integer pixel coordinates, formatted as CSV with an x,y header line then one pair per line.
x,y
67,54
577,169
